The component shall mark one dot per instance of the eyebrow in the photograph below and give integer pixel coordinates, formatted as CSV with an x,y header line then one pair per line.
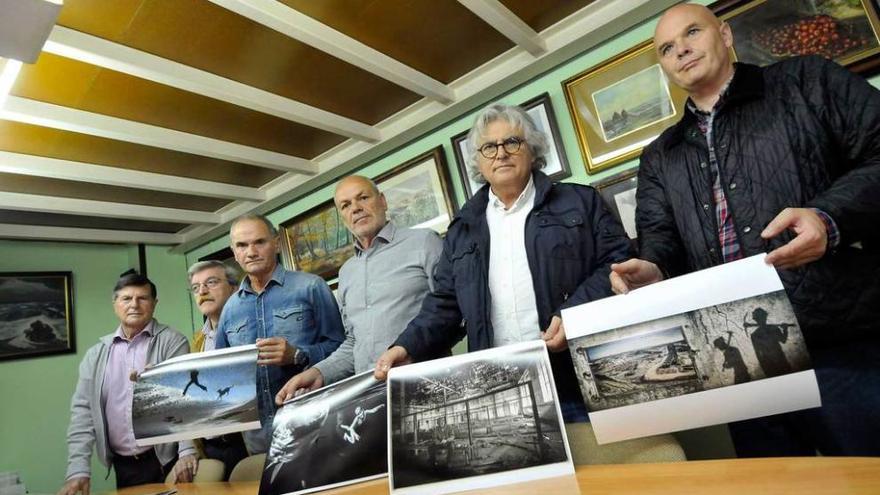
x,y
685,30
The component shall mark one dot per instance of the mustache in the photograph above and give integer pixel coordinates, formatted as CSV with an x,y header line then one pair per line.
x,y
202,299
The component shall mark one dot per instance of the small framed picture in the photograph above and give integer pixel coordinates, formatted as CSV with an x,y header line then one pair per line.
x,y
620,105
767,31
540,109
619,194
36,314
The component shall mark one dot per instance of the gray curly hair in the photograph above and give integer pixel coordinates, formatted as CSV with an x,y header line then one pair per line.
x,y
514,115
232,275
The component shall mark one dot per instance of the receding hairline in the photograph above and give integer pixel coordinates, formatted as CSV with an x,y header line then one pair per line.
x,y
359,179
706,14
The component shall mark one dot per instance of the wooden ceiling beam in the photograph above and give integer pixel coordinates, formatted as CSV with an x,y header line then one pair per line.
x,y
495,14
75,45
39,166
70,119
279,17
74,206
48,233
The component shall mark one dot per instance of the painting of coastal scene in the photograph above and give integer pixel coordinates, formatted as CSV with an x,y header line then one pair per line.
x,y
633,103
35,314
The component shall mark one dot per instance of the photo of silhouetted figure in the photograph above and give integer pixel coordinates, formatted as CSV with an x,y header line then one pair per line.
x,y
733,360
767,339
360,415
223,391
194,380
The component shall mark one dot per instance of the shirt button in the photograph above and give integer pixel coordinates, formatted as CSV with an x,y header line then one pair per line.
x,y
702,164
733,185
747,229
705,206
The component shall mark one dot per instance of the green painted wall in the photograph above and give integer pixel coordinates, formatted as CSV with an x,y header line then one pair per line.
x,y
36,392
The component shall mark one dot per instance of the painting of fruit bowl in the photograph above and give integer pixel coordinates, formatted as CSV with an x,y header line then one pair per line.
x,y
767,31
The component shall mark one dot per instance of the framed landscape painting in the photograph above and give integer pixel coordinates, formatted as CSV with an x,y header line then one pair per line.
x,y
621,105
767,31
36,314
316,241
540,109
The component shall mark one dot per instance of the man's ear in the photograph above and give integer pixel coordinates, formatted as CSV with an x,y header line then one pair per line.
x,y
726,34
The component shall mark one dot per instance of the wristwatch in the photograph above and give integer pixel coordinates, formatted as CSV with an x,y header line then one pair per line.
x,y
300,358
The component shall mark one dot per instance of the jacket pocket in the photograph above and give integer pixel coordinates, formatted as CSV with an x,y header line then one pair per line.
x,y
290,322
561,237
465,264
238,334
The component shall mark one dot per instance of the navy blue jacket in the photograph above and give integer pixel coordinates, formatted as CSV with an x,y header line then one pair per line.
x,y
571,241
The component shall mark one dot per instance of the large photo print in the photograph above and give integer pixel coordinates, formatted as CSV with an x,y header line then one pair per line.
x,y
330,437
475,420
197,395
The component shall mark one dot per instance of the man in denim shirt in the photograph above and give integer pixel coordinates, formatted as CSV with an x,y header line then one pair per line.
x,y
291,316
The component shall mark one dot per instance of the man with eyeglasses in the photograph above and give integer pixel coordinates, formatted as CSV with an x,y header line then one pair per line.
x,y
518,252
211,283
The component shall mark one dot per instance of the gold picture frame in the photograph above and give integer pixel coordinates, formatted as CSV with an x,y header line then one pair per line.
x,y
620,105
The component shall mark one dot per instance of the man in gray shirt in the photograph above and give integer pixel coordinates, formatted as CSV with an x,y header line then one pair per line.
x,y
381,287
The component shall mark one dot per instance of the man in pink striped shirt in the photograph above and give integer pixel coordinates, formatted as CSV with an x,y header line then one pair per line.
x,y
101,405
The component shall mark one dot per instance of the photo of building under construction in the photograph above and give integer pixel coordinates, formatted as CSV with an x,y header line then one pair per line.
x,y
475,418
717,346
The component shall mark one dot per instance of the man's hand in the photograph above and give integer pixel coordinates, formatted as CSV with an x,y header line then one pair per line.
x,y
632,274
304,382
275,350
185,468
395,356
74,486
809,244
554,336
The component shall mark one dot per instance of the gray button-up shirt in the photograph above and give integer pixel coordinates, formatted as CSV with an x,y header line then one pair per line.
x,y
380,290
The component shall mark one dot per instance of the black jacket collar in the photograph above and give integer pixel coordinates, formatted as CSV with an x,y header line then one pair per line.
x,y
475,209
747,84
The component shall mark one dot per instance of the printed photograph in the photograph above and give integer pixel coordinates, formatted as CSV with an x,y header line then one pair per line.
x,y
473,415
333,436
634,103
766,32
36,314
718,346
197,395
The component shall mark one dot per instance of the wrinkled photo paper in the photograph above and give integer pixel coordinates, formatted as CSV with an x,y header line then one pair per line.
x,y
197,395
710,347
331,437
475,420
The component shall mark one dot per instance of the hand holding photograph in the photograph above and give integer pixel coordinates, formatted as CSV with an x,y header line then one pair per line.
x,y
475,420
196,395
331,437
710,347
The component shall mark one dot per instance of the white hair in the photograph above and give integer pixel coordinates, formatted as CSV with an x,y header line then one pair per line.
x,y
514,115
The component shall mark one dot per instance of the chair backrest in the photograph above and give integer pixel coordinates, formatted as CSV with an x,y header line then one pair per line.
x,y
209,471
249,469
585,450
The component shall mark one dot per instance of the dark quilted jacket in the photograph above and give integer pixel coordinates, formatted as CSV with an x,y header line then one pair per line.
x,y
801,133
571,240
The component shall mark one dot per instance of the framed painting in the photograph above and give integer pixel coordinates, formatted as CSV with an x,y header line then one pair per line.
x,y
767,31
620,105
418,193
36,314
540,109
619,194
316,241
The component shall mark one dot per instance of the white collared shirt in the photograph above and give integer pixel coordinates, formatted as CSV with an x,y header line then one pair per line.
x,y
513,311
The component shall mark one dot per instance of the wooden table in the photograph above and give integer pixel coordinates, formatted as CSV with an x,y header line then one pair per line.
x,y
778,476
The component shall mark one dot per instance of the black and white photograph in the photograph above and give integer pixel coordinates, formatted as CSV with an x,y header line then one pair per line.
x,y
36,314
719,347
619,194
196,395
475,420
334,436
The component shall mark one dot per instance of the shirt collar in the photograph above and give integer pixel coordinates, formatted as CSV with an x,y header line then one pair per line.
x,y
386,234
526,197
207,328
277,277
120,335
724,90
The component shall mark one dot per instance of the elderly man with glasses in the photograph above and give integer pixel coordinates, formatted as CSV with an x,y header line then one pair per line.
x,y
518,252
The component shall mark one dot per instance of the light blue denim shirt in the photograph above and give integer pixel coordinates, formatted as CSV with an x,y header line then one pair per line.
x,y
295,305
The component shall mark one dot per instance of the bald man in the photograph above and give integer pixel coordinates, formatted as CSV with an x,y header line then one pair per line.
x,y
381,287
783,159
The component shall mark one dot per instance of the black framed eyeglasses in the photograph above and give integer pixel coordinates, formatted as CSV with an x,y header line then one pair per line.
x,y
511,146
211,283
